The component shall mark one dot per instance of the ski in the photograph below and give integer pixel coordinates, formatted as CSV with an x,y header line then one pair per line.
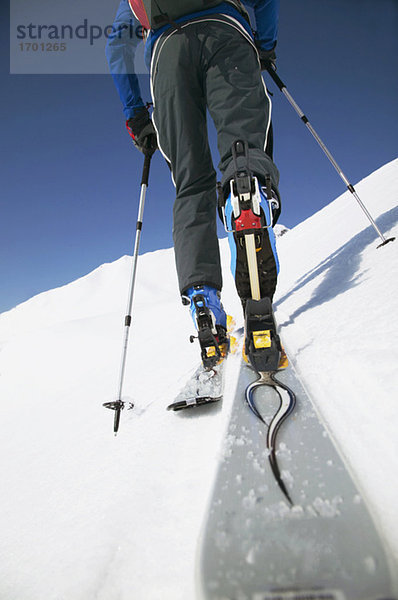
x,y
206,385
313,540
193,402
202,388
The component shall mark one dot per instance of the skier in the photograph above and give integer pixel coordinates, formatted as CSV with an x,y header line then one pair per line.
x,y
204,56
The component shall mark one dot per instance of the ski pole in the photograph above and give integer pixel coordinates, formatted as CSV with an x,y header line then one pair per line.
x,y
306,122
118,405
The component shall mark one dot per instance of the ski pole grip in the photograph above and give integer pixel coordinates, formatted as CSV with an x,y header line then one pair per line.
x,y
276,78
145,170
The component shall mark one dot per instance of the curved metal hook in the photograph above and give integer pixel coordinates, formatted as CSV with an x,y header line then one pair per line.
x,y
286,407
249,394
288,402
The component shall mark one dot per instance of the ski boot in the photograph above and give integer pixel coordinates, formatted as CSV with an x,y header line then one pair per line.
x,y
210,321
249,212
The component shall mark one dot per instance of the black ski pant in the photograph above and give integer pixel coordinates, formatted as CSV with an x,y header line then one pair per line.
x,y
207,63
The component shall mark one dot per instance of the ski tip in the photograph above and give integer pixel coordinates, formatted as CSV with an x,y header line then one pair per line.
x,y
193,403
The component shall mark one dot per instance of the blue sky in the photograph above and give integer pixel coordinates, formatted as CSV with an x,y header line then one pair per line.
x,y
70,175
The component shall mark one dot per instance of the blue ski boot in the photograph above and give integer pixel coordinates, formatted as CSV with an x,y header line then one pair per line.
x,y
210,321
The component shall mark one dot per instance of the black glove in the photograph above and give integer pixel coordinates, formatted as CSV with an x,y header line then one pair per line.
x,y
267,58
142,132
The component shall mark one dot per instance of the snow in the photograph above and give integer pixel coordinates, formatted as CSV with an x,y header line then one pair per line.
x,y
338,314
85,515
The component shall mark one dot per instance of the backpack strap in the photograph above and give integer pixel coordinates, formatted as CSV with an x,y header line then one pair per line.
x,y
138,8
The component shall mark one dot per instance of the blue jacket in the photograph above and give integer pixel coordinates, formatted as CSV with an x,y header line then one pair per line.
x,y
123,42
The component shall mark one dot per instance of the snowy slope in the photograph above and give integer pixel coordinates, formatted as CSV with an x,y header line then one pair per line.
x,y
86,516
337,307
